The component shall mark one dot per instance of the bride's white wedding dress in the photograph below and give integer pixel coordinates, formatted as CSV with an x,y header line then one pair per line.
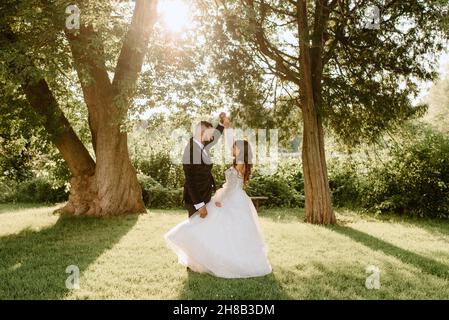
x,y
228,243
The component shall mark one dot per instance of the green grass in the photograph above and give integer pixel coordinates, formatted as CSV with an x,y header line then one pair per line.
x,y
126,258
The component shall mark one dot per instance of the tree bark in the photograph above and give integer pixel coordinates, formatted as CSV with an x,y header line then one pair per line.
x,y
318,204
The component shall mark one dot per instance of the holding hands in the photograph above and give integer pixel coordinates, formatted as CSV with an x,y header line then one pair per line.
x,y
225,120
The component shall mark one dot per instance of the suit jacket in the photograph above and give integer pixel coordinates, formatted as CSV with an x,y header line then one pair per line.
x,y
197,165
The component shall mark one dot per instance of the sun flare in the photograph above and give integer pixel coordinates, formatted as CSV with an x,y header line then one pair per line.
x,y
174,14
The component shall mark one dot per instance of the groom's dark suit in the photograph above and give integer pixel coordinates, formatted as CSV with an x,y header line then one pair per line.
x,y
199,182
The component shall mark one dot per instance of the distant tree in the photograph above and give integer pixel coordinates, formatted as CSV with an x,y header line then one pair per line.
x,y
438,101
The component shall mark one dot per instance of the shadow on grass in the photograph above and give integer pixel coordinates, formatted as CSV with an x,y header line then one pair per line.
x,y
425,264
205,286
33,263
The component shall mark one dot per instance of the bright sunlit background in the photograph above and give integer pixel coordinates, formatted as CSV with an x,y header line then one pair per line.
x,y
174,14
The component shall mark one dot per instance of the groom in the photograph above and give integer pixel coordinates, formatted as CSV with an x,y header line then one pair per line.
x,y
199,182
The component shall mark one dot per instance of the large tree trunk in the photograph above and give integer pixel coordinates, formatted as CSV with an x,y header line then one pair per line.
x,y
118,189
318,204
110,186
76,156
115,189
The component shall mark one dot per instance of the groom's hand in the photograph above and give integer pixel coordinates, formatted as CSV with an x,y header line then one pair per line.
x,y
203,212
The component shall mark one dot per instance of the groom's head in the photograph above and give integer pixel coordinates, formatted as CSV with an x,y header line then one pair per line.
x,y
204,131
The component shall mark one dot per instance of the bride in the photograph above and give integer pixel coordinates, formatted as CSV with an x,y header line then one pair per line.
x,y
228,242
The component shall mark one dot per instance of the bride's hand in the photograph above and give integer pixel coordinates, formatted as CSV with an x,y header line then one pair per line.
x,y
226,123
225,120
218,204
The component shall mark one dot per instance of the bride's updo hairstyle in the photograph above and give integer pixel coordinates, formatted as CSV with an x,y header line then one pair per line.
x,y
245,157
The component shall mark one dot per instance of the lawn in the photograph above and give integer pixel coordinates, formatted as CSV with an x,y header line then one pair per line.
x,y
126,258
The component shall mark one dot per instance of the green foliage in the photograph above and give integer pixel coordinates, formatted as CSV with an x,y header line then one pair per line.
x,y
344,182
162,170
162,198
7,190
22,140
157,196
39,190
284,188
408,175
279,193
369,75
146,183
416,180
438,100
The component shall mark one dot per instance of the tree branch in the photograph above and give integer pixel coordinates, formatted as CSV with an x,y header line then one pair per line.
x,y
88,55
134,48
282,66
43,102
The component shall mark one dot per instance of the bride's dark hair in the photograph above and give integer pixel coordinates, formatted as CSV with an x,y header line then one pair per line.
x,y
245,157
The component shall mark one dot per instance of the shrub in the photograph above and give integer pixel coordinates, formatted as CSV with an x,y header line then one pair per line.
x,y
416,180
157,196
344,182
146,183
39,190
277,189
163,198
290,171
7,190
162,170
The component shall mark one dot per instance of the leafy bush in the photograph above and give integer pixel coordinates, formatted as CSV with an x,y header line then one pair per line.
x,y
39,190
7,190
161,169
277,189
156,196
344,182
164,198
416,180
146,183
291,171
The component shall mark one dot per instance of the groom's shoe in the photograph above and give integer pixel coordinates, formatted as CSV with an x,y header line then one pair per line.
x,y
188,269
